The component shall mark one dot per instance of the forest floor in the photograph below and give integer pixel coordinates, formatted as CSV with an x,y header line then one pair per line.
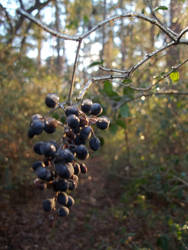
x,y
95,221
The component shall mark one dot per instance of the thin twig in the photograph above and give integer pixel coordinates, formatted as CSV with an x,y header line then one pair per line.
x,y
44,27
74,71
122,74
99,25
182,33
112,70
126,15
148,56
181,180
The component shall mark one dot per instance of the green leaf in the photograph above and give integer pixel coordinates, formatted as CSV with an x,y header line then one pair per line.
x,y
143,11
124,111
95,63
127,91
121,123
175,76
55,115
127,81
108,89
161,7
113,128
163,241
101,140
86,19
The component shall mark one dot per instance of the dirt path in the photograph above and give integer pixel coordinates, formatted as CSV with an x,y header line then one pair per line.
x,y
89,226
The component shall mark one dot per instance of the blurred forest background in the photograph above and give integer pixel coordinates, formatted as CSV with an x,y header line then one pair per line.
x,y
135,195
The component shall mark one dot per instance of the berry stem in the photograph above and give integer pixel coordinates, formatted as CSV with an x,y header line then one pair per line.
x,y
69,101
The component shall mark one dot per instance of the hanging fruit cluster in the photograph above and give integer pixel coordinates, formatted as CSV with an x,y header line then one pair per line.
x,y
62,162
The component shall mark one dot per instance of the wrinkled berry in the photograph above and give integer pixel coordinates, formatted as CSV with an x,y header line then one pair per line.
x,y
83,168
103,123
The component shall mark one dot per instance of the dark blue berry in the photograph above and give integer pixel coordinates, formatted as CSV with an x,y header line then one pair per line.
x,y
50,126
64,155
52,100
48,205
62,198
73,121
103,123
94,143
77,170
83,168
70,202
64,171
37,147
85,132
63,211
61,185
71,110
43,173
37,126
38,164
82,152
86,106
96,109
48,149
30,133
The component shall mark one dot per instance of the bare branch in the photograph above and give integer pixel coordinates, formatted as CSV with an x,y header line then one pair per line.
x,y
131,14
7,17
84,90
113,70
182,33
73,73
148,56
99,25
149,2
122,74
44,27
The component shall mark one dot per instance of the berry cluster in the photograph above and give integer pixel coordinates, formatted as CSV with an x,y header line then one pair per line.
x,y
62,162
